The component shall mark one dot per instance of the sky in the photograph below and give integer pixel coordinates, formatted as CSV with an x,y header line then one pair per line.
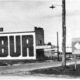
x,y
23,15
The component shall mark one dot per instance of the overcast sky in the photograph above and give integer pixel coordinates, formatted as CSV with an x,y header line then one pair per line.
x,y
23,15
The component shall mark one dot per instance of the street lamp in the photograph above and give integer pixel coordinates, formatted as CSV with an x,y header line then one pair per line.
x,y
63,32
52,6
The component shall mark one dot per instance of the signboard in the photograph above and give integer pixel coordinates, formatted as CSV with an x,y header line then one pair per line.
x,y
76,46
75,50
17,46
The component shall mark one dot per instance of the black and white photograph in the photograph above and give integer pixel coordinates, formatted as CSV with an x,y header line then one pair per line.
x,y
39,39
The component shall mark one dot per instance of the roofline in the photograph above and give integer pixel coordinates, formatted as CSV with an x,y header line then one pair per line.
x,y
17,32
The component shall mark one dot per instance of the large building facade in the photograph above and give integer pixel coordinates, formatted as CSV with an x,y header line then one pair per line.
x,y
22,45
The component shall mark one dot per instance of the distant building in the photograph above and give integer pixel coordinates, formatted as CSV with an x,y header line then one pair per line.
x,y
39,33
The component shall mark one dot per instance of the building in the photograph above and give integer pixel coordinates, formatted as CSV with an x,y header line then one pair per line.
x,y
16,46
39,35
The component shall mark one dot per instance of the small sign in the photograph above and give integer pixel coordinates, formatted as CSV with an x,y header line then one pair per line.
x,y
76,46
75,50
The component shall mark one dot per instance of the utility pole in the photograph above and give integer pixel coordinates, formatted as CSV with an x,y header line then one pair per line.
x,y
63,33
57,47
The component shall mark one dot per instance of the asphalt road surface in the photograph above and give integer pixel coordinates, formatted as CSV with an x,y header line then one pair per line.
x,y
19,70
28,66
29,78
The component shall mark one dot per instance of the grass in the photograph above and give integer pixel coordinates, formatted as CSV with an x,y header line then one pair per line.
x,y
68,71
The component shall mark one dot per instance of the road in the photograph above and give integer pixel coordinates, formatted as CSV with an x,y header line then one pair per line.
x,y
29,66
22,68
31,78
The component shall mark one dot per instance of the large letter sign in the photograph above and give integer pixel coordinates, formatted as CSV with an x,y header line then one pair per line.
x,y
15,52
17,46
